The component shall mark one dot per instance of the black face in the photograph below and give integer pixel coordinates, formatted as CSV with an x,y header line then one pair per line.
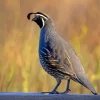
x,y
39,18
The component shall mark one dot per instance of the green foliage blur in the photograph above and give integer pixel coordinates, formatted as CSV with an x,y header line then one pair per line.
x,y
77,21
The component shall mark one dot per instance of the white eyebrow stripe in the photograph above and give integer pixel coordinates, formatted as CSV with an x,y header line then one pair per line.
x,y
43,22
42,16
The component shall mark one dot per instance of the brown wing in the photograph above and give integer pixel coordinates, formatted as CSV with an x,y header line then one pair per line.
x,y
59,59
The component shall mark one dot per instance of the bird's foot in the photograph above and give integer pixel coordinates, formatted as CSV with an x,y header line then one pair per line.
x,y
53,92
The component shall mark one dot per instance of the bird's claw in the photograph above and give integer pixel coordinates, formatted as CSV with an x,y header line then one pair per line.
x,y
54,92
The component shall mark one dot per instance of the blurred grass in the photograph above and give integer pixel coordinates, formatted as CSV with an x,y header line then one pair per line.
x,y
20,69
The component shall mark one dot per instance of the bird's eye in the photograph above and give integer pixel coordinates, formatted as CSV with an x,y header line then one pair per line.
x,y
35,18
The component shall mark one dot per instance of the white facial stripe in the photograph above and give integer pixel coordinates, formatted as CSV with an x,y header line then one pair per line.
x,y
43,22
42,16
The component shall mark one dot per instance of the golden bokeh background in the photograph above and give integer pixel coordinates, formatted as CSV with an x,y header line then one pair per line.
x,y
77,21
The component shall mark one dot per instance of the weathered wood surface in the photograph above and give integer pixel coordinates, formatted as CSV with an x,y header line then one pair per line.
x,y
43,96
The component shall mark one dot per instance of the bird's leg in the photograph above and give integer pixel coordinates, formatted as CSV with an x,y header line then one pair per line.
x,y
67,88
54,90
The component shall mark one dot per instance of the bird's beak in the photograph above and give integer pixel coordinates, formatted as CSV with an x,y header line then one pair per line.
x,y
33,18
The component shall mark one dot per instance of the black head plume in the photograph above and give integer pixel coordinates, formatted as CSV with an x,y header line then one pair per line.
x,y
39,18
28,16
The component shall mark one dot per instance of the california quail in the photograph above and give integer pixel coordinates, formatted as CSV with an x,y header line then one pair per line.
x,y
57,57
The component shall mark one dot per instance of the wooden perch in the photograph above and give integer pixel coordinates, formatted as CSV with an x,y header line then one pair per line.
x,y
46,96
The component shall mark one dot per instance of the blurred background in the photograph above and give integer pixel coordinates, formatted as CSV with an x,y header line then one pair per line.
x,y
77,21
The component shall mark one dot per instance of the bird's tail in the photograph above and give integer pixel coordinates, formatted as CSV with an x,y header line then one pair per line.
x,y
85,82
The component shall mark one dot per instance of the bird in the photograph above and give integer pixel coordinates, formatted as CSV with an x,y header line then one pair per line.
x,y
57,56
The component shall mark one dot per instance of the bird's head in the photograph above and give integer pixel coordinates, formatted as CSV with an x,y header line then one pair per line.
x,y
39,18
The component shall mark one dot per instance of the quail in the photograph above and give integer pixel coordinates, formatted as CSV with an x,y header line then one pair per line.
x,y
57,56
